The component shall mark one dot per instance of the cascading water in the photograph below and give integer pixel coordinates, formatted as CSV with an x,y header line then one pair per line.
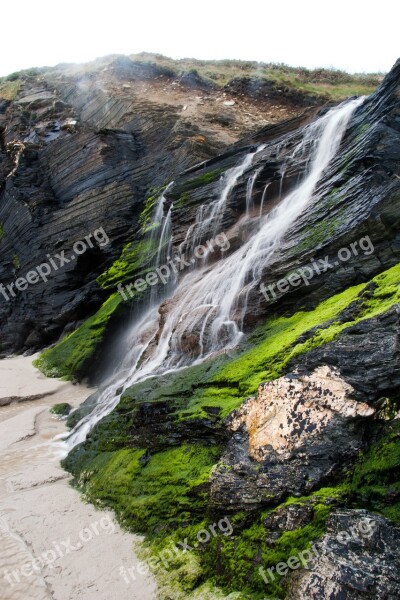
x,y
208,304
211,220
249,191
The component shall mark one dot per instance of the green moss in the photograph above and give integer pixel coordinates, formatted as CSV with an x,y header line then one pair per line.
x,y
232,562
154,493
165,493
223,384
16,261
240,556
133,260
323,495
375,482
69,357
183,198
201,180
2,232
146,214
136,257
318,232
268,359
62,410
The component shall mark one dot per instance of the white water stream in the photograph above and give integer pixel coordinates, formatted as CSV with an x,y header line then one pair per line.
x,y
205,310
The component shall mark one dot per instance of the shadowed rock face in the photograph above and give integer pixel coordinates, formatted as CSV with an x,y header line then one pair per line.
x,y
306,428
358,558
367,356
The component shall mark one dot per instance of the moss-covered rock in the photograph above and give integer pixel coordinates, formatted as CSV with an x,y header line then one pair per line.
x,y
69,357
61,410
151,459
150,492
375,482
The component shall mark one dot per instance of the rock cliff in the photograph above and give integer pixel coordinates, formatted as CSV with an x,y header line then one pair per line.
x,y
292,435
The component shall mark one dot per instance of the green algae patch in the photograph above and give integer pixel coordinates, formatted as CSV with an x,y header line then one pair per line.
x,y
276,343
375,481
201,180
267,359
150,493
148,209
61,410
240,556
229,562
132,262
71,355
164,493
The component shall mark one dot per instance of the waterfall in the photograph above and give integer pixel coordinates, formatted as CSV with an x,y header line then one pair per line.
x,y
249,190
164,249
205,310
210,222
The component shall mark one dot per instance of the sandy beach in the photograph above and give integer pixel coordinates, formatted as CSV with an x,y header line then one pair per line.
x,y
53,545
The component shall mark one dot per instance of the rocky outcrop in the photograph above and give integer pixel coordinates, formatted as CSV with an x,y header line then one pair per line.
x,y
301,420
299,432
357,559
290,411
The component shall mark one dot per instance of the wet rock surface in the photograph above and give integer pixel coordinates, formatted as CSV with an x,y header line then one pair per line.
x,y
358,196
288,456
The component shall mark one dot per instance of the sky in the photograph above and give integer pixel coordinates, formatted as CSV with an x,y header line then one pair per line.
x,y
353,35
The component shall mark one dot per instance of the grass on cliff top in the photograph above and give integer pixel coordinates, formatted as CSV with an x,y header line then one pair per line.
x,y
9,89
69,357
328,83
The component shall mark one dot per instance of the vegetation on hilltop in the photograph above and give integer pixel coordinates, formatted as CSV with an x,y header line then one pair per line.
x,y
328,83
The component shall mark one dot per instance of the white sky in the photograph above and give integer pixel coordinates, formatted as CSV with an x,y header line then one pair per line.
x,y
355,35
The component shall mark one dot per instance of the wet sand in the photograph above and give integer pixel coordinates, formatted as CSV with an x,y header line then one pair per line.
x,y
52,544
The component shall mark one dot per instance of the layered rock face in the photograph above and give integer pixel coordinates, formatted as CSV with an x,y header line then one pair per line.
x,y
81,149
357,196
294,435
